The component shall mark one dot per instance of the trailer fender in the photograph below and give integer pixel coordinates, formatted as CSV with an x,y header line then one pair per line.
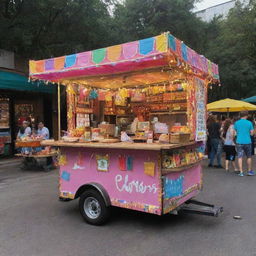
x,y
98,187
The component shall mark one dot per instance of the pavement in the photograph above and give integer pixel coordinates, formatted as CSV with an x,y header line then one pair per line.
x,y
34,223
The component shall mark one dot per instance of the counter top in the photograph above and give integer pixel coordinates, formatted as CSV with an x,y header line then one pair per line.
x,y
118,145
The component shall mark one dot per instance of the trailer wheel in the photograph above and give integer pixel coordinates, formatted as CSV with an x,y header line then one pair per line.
x,y
93,208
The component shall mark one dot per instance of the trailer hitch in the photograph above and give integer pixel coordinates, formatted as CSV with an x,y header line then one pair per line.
x,y
196,207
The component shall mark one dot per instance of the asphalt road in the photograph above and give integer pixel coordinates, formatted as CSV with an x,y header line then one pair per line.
x,y
33,222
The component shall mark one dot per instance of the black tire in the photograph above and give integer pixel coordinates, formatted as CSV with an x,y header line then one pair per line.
x,y
93,208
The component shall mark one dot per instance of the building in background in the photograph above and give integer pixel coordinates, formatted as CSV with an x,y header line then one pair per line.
x,y
22,100
217,10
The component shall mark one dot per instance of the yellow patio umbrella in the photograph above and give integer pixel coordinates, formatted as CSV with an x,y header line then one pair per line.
x,y
229,105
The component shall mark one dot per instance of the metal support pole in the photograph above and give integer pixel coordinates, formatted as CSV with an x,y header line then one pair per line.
x,y
59,121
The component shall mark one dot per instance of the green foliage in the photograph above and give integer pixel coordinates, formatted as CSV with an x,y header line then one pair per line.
x,y
138,19
233,48
45,28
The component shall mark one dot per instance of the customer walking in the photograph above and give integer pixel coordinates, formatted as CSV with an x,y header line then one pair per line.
x,y
213,128
244,131
228,136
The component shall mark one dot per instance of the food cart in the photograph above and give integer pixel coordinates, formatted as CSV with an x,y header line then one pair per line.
x,y
36,157
136,126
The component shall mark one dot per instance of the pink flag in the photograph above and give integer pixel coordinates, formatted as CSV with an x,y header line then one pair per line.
x,y
130,49
83,59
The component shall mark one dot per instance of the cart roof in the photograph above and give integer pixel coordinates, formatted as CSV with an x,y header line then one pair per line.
x,y
151,54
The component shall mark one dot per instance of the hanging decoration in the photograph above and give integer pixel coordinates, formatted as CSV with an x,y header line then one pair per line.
x,y
59,63
146,45
93,94
83,59
70,61
98,55
49,64
114,52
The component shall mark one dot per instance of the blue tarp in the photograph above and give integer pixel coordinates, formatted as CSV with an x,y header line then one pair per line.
x,y
17,82
251,99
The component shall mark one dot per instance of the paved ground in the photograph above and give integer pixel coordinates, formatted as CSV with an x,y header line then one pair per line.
x,y
34,223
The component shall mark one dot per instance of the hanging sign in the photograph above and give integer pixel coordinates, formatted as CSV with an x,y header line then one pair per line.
x,y
200,110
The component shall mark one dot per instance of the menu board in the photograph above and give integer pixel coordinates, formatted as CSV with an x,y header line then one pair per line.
x,y
4,113
200,110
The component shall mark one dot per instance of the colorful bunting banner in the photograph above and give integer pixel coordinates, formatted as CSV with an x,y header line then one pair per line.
x,y
161,43
114,53
184,52
49,64
126,52
83,59
98,55
130,50
40,66
172,42
32,67
70,60
146,45
59,63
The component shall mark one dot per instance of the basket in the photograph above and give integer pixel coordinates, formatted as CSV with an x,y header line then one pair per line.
x,y
177,138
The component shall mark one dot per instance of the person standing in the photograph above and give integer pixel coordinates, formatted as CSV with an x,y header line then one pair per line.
x,y
228,136
244,131
250,118
213,128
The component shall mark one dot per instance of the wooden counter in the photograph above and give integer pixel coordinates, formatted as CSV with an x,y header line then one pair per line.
x,y
118,145
37,156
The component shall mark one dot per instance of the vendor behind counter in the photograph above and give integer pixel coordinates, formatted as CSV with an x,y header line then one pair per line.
x,y
43,131
24,130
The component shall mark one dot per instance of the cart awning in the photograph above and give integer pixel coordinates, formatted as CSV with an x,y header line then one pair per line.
x,y
17,82
250,99
154,52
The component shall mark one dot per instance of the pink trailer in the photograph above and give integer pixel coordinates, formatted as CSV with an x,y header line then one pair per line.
x,y
152,90
125,175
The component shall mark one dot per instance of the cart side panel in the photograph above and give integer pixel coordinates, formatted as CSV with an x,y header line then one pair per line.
x,y
178,187
133,189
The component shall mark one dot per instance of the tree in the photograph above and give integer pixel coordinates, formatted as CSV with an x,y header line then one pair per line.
x,y
233,48
45,28
138,19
